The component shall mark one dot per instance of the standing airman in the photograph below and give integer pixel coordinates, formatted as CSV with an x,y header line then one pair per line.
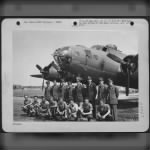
x,y
70,94
79,92
55,91
112,98
62,89
47,93
101,91
91,94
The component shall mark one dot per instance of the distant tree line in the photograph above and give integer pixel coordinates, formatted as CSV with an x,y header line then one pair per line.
x,y
15,86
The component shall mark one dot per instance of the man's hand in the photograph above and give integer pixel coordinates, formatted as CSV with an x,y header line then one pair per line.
x,y
103,117
96,97
82,113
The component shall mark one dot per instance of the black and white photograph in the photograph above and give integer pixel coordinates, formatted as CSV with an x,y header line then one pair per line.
x,y
76,72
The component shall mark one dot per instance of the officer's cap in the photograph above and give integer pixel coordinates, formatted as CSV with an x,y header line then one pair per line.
x,y
78,78
26,96
101,79
109,80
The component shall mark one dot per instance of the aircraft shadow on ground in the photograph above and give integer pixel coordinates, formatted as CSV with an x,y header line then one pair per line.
x,y
127,104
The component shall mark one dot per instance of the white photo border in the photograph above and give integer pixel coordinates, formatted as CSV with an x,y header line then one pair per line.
x,y
7,28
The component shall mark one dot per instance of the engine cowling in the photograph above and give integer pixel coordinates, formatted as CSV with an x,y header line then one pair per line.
x,y
131,63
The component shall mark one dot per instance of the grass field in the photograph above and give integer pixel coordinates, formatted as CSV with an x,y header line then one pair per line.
x,y
127,108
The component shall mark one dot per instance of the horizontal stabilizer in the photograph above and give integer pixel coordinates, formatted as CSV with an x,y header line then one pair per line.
x,y
37,75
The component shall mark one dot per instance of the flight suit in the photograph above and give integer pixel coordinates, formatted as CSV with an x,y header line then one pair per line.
x,y
44,109
91,94
61,112
112,100
47,93
79,94
102,89
34,108
72,111
27,105
103,110
62,92
53,107
86,108
55,92
70,94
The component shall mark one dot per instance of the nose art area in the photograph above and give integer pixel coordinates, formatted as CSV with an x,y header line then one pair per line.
x,y
62,56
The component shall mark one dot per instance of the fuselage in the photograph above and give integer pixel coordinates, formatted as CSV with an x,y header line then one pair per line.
x,y
83,61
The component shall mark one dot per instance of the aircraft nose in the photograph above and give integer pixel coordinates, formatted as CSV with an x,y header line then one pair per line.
x,y
62,55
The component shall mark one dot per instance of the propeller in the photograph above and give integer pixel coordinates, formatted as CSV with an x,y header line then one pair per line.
x,y
43,84
129,66
45,70
36,75
39,68
52,64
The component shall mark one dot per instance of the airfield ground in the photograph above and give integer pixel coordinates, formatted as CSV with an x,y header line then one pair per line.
x,y
127,107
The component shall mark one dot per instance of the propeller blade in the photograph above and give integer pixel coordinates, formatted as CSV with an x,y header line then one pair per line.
x,y
128,82
39,68
43,84
56,66
115,58
37,75
50,64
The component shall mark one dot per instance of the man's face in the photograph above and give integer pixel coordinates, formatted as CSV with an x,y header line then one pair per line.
x,y
61,99
86,101
101,82
55,82
101,103
89,81
110,83
69,83
62,82
71,102
35,98
78,81
43,99
26,97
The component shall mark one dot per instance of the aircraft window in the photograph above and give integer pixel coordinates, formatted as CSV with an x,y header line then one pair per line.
x,y
65,48
77,53
97,47
88,53
95,56
104,49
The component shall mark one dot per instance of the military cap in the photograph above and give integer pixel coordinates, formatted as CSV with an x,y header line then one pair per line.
x,y
78,78
101,79
109,80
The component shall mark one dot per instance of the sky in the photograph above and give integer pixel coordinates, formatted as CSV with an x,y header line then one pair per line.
x,y
36,47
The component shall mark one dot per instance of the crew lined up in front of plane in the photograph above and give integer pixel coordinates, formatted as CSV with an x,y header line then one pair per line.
x,y
79,102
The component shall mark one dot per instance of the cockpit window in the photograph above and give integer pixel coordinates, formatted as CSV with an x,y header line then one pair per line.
x,y
97,47
88,53
95,57
77,53
104,49
65,48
